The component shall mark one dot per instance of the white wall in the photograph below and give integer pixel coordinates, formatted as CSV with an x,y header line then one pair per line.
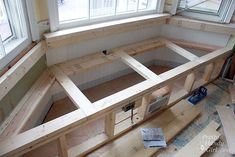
x,y
87,47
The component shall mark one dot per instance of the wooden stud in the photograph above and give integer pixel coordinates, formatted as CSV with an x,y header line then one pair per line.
x,y
208,71
142,110
200,144
110,124
76,96
227,118
62,147
189,82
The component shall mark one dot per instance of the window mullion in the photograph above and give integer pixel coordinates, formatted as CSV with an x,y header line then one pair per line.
x,y
2,49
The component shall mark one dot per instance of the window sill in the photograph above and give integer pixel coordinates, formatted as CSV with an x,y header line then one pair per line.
x,y
74,35
202,25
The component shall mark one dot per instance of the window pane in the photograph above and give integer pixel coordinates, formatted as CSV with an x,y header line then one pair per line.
x,y
5,29
124,6
101,8
147,5
202,5
73,9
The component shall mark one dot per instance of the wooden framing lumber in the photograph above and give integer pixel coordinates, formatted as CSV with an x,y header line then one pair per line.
x,y
208,72
144,106
62,147
110,124
201,142
189,82
184,53
14,74
227,118
138,67
75,35
56,128
172,121
77,97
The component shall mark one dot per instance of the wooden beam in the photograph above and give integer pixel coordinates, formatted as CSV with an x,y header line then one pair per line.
x,y
138,67
77,97
201,25
110,124
184,53
14,74
142,110
208,72
75,35
201,143
227,118
62,147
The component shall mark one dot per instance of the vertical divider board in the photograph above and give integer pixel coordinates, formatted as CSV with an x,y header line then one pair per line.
x,y
208,72
189,82
62,146
110,124
142,110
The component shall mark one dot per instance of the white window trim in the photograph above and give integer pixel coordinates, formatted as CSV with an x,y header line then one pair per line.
x,y
54,16
203,16
13,48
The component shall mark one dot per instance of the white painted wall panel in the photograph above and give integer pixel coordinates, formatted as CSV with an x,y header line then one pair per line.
x,y
59,55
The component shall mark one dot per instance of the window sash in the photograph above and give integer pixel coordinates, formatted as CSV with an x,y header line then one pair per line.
x,y
17,15
224,14
56,25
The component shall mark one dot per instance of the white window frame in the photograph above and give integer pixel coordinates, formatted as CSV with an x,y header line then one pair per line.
x,y
54,16
225,15
13,47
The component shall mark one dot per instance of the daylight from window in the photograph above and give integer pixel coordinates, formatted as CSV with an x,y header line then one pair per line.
x,y
5,29
89,9
212,6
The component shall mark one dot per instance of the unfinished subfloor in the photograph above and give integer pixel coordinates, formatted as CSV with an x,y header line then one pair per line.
x,y
217,95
